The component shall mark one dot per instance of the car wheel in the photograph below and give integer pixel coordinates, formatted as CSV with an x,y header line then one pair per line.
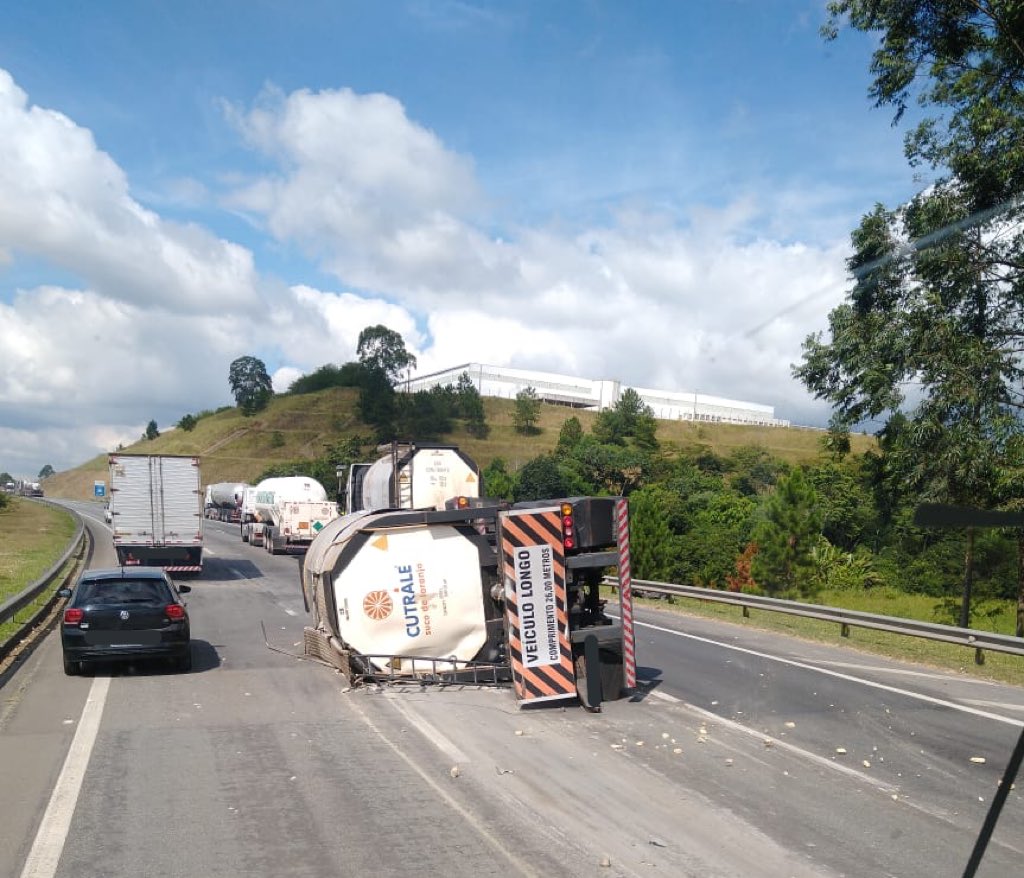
x,y
71,668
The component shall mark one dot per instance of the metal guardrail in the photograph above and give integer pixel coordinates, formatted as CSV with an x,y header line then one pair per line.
x,y
13,605
969,637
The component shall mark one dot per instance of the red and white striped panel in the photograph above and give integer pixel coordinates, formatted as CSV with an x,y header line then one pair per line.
x,y
626,593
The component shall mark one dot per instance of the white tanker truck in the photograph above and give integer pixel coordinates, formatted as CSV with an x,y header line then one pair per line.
x,y
482,594
411,476
288,512
224,500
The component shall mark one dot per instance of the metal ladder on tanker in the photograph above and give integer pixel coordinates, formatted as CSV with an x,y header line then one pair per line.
x,y
402,480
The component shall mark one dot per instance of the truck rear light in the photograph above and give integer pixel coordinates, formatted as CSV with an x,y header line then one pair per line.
x,y
174,612
73,615
463,502
568,527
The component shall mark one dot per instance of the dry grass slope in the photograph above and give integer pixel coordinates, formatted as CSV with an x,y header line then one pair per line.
x,y
236,448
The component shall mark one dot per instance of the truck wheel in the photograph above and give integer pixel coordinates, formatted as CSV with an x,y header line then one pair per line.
x,y
245,534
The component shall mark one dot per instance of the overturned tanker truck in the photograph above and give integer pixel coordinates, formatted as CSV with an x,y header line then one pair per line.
x,y
479,593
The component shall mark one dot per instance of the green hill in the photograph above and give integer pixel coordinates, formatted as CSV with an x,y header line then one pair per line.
x,y
235,448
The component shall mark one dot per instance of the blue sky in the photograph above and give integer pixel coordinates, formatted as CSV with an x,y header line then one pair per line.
x,y
616,189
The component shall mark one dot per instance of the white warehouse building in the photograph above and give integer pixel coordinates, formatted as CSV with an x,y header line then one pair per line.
x,y
598,394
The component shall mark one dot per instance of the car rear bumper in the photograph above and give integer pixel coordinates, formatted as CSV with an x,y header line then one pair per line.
x,y
116,653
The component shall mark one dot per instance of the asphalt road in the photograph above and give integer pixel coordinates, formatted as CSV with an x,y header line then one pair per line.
x,y
727,762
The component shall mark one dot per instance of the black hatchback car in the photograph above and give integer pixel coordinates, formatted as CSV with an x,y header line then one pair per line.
x,y
125,613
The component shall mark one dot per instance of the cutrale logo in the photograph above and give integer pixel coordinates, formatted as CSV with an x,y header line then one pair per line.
x,y
378,605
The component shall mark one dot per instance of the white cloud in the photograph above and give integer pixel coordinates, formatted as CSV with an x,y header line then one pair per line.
x,y
651,299
68,203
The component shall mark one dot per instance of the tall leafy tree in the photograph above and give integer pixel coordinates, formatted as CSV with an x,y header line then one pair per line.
x,y
250,384
383,349
151,431
46,472
930,338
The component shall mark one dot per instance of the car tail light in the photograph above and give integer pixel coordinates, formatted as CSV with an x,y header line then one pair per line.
x,y
174,612
73,615
568,527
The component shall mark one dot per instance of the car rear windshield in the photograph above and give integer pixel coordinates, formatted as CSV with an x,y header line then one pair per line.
x,y
107,592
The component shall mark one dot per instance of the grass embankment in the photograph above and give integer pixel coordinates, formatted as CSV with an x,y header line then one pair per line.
x,y
234,448
32,537
883,601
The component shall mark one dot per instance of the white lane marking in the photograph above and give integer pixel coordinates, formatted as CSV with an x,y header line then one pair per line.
x,y
290,612
664,696
439,740
1002,704
886,670
918,696
53,830
209,551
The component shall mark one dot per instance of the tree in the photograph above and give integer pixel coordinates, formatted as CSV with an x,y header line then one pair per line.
x,y
527,411
570,435
629,418
250,384
187,423
383,349
46,472
497,481
545,478
651,540
787,532
377,406
151,431
5,479
470,407
328,375
939,281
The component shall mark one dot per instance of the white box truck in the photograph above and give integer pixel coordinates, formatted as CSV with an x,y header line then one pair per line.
x,y
156,503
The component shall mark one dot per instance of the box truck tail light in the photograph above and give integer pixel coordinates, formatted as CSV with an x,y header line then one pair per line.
x,y
462,502
568,527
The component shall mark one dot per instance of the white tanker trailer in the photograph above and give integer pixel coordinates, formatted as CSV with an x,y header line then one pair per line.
x,y
224,500
288,512
480,593
411,476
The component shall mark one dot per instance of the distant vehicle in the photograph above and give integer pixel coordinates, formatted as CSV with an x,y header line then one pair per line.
x,y
224,501
411,476
108,513
125,613
288,513
159,511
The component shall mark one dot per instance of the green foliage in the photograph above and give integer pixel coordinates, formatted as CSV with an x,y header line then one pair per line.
x,y
48,470
277,439
469,406
383,350
788,529
498,482
425,415
629,419
187,423
847,512
546,477
250,384
832,568
651,541
753,470
377,406
527,412
328,375
6,478
570,435
606,469
151,431
5,499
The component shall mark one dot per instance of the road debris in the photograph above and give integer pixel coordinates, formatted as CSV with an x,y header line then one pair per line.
x,y
978,760
454,772
605,863
657,843
790,724
841,751
519,733
865,763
